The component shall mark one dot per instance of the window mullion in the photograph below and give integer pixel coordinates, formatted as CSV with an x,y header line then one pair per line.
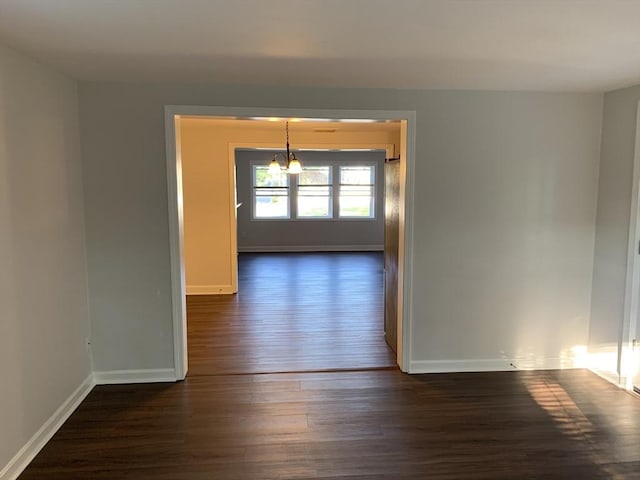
x,y
335,190
293,196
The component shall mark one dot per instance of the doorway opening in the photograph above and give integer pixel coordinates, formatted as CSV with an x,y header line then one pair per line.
x,y
294,312
404,149
627,350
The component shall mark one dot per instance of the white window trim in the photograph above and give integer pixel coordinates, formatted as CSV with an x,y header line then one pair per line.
x,y
374,192
331,187
334,201
253,197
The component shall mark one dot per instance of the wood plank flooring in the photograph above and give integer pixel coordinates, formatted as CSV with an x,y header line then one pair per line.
x,y
344,425
352,425
293,312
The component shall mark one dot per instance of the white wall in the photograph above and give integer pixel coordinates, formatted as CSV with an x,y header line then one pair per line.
x,y
44,316
612,229
504,218
505,236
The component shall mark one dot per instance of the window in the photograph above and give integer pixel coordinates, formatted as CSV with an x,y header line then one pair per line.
x,y
334,191
315,193
270,193
357,191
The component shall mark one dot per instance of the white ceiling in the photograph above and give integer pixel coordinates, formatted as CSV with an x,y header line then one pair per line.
x,y
585,45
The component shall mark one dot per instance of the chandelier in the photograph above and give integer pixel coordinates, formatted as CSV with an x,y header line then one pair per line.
x,y
292,166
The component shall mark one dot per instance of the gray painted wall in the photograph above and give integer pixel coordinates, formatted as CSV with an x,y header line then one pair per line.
x,y
504,217
44,320
301,233
612,228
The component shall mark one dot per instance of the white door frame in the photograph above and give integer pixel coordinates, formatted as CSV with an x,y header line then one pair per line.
x,y
628,355
174,193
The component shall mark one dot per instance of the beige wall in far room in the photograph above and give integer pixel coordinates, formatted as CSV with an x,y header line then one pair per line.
x,y
207,164
207,210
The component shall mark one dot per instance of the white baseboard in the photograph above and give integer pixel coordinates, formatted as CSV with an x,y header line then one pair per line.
x,y
27,453
487,365
310,248
115,377
210,290
610,377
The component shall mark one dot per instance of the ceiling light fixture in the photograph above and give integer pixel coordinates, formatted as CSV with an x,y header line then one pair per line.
x,y
358,120
293,165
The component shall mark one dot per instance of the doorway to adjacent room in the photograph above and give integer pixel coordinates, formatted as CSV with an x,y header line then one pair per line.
x,y
255,350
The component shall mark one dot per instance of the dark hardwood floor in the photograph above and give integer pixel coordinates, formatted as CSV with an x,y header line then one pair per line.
x,y
293,312
227,422
352,425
